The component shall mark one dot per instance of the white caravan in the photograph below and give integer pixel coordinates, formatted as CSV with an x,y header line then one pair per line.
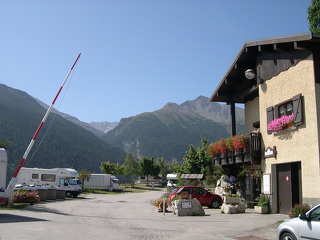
x,y
102,182
3,173
172,180
56,177
157,181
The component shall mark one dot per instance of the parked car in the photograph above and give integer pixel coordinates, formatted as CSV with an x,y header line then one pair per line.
x,y
306,226
204,197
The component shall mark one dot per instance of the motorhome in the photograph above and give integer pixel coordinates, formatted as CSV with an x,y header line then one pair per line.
x,y
102,182
56,177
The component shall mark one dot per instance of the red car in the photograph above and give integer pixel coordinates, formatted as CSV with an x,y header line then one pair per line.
x,y
204,197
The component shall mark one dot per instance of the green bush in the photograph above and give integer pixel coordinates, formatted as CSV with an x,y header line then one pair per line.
x,y
298,209
264,201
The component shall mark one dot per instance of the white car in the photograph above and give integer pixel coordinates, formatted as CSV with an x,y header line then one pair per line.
x,y
306,226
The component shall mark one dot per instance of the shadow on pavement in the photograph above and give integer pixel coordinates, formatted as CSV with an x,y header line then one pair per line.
x,y
10,218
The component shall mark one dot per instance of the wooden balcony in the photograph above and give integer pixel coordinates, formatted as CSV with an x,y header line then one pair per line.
x,y
249,155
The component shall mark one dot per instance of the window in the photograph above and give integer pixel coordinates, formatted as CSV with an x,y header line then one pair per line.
x,y
62,181
48,177
198,191
188,189
35,176
285,109
291,106
315,214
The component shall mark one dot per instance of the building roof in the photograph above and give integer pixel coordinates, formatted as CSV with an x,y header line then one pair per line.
x,y
192,176
235,87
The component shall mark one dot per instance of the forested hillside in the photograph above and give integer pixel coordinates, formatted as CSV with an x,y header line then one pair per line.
x,y
65,144
164,133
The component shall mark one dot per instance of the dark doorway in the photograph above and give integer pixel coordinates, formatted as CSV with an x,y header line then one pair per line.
x,y
289,186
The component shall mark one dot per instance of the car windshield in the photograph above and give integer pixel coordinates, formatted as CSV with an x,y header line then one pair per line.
x,y
174,190
71,181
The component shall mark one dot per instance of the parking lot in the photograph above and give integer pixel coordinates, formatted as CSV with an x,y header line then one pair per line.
x,y
129,216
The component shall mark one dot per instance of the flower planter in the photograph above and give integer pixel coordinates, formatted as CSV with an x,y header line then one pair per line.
x,y
238,156
246,155
217,161
231,200
230,156
284,130
28,200
224,160
160,207
262,210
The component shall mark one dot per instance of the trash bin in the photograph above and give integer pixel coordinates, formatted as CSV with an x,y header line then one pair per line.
x,y
61,193
42,191
51,193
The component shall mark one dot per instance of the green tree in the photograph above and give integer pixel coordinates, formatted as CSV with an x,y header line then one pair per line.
x,y
314,16
197,161
130,166
4,144
108,167
174,166
118,169
164,167
191,162
148,167
84,175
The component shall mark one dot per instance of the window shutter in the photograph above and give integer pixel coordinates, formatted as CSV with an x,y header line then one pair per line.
x,y
297,109
270,117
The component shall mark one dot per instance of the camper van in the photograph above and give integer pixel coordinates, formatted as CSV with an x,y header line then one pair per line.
x,y
56,177
106,182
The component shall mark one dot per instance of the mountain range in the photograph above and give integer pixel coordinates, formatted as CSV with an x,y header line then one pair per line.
x,y
60,143
169,131
65,141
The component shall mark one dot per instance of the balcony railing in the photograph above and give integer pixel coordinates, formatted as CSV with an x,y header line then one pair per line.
x,y
249,155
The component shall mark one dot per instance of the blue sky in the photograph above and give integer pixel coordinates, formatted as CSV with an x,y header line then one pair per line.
x,y
136,55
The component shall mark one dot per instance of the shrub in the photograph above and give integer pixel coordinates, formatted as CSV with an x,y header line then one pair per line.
x,y
264,201
298,209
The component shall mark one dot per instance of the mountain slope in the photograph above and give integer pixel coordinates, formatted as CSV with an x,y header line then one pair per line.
x,y
167,132
88,126
20,116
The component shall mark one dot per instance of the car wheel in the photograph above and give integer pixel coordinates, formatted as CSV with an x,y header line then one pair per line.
x,y
288,236
68,194
215,204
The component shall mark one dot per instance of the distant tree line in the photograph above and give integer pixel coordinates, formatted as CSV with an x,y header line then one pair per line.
x,y
195,161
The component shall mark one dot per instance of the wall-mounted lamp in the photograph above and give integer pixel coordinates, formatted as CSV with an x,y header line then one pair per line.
x,y
250,74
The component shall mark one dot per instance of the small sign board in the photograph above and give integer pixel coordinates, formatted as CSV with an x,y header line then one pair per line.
x,y
270,152
186,205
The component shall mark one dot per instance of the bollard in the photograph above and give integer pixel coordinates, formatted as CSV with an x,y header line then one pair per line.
x,y
164,206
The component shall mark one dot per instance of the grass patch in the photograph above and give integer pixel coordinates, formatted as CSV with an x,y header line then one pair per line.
x,y
15,206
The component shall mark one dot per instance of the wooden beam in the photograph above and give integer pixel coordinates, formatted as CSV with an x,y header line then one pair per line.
x,y
233,118
231,81
244,93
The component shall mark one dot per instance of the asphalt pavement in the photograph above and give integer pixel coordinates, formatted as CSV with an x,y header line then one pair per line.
x,y
130,216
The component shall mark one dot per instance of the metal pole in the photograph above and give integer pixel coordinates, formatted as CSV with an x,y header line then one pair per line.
x,y
10,189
